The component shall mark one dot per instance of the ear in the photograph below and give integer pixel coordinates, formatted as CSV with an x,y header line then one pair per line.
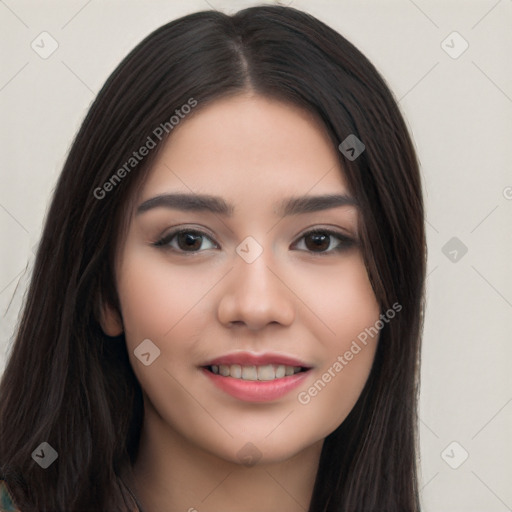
x,y
110,319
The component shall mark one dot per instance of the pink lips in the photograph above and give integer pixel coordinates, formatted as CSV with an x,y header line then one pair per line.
x,y
255,390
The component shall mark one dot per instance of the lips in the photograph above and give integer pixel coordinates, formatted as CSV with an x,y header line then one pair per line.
x,y
256,377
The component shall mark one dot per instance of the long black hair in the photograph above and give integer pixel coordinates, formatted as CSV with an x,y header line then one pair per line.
x,y
68,384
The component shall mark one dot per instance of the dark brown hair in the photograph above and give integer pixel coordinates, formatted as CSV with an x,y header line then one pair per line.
x,y
69,384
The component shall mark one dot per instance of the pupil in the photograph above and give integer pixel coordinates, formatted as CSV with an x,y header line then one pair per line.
x,y
319,242
189,240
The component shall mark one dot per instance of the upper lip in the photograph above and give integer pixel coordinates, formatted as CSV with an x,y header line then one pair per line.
x,y
252,359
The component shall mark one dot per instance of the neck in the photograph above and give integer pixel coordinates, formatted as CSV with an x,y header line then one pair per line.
x,y
172,474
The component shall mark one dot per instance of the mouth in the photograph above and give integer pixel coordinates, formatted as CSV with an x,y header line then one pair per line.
x,y
256,378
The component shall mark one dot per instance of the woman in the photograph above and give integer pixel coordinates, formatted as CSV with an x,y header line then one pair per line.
x,y
226,306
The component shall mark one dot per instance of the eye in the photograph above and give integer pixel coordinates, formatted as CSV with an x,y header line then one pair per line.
x,y
324,241
186,240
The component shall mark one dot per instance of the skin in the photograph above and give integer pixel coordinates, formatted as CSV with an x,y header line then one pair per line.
x,y
252,152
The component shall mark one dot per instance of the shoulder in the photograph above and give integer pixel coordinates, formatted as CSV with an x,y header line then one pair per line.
x,y
6,504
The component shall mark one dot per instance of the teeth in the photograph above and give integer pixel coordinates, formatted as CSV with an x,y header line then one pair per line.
x,y
249,373
280,371
264,373
235,370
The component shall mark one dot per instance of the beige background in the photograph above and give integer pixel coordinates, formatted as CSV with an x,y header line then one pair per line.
x,y
460,113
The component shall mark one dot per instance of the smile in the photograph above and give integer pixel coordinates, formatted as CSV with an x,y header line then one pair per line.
x,y
256,378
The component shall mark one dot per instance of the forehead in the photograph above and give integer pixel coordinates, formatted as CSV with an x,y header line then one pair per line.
x,y
245,147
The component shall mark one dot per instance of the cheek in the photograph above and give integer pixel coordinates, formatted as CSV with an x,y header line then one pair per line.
x,y
345,309
338,300
164,303
156,296
167,305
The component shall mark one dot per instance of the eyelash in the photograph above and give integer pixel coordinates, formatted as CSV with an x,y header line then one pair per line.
x,y
345,241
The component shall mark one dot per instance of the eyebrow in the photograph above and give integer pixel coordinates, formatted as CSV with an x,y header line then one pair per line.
x,y
215,204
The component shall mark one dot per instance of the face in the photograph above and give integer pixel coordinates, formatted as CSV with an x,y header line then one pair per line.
x,y
242,285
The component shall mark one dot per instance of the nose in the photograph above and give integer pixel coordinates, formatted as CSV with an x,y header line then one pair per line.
x,y
254,295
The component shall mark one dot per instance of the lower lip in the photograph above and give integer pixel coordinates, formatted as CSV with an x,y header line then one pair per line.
x,y
256,390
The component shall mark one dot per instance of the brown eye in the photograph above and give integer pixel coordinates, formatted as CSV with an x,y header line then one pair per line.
x,y
324,241
186,240
189,241
317,242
